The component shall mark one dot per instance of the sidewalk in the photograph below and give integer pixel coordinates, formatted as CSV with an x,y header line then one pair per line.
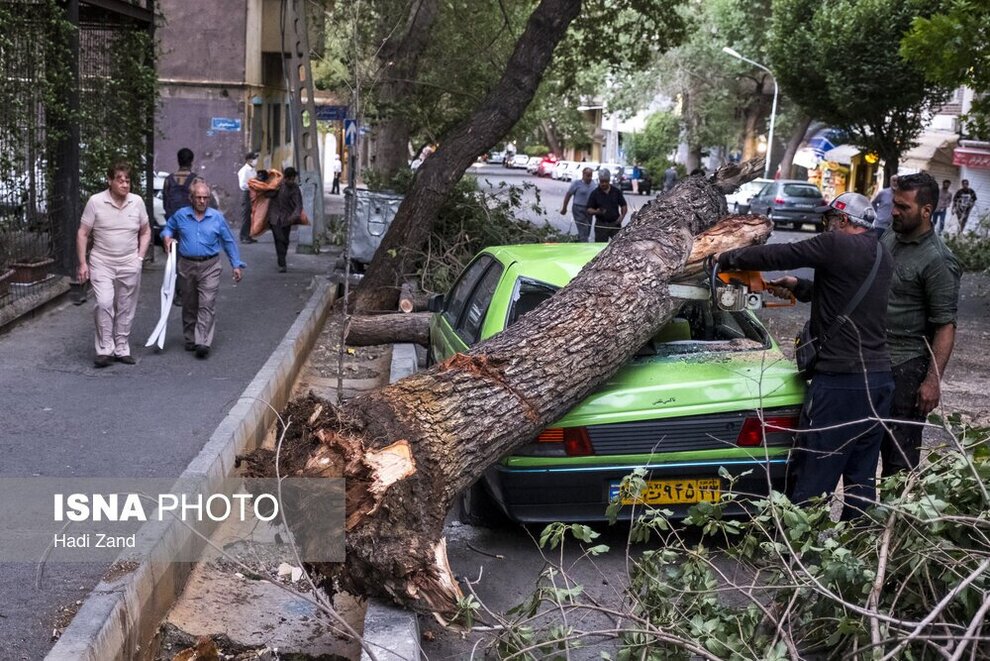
x,y
62,417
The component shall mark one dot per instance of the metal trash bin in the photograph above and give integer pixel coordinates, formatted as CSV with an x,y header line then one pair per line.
x,y
373,213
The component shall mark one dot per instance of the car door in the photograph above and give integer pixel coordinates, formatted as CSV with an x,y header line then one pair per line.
x,y
760,205
458,324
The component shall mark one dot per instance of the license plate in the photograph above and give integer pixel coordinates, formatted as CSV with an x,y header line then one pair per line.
x,y
672,492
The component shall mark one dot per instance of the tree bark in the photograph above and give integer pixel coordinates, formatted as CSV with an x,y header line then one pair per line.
x,y
797,137
399,59
408,450
389,329
438,175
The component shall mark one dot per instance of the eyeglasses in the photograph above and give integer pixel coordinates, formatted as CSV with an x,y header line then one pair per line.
x,y
201,197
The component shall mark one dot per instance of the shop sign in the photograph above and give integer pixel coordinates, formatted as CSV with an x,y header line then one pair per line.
x,y
971,158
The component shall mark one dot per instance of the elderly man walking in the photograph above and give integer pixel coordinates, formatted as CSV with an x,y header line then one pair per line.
x,y
851,384
117,221
200,232
607,204
580,190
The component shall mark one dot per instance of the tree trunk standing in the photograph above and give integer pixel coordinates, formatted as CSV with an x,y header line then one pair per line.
x,y
797,137
438,175
553,142
399,58
408,450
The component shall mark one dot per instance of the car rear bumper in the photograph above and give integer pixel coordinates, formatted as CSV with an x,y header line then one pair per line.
x,y
544,495
791,216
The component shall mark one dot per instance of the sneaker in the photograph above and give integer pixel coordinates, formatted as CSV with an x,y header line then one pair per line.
x,y
190,346
249,240
101,361
127,360
202,351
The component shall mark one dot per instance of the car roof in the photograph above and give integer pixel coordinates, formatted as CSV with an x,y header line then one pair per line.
x,y
553,263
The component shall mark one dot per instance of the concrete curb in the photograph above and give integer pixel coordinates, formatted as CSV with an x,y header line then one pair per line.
x,y
121,613
393,632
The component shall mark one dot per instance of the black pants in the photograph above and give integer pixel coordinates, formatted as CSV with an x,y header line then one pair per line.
x,y
837,440
246,215
901,448
336,184
281,236
604,232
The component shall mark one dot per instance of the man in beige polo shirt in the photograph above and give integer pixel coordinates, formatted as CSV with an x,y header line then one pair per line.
x,y
117,221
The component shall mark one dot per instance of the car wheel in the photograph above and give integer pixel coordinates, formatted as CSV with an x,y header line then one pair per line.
x,y
796,226
478,508
735,207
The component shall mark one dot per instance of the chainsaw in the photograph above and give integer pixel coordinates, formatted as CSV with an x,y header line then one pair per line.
x,y
732,291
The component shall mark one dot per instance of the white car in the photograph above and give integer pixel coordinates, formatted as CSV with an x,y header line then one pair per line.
x,y
573,171
738,202
613,169
534,164
559,169
519,161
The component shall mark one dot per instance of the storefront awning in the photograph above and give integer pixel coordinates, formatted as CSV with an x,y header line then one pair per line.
x,y
972,157
933,150
843,154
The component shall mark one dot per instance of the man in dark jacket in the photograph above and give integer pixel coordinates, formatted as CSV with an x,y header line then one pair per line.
x,y
284,211
852,387
607,206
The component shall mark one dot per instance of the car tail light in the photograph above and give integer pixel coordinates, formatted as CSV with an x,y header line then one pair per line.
x,y
752,433
575,440
778,200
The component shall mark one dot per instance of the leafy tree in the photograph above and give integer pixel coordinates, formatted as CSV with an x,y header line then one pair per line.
x,y
658,138
953,49
838,61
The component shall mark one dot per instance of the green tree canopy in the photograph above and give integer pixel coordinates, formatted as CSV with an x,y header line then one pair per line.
x,y
839,61
953,49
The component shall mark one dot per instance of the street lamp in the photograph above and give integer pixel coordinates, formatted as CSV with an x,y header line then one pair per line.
x,y
773,110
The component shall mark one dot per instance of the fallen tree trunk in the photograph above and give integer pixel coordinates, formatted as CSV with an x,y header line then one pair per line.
x,y
368,330
408,450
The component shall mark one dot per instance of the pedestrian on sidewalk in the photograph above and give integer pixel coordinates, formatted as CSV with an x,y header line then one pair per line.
x,y
883,204
117,222
962,203
580,190
244,175
200,233
851,385
942,208
921,317
337,168
285,210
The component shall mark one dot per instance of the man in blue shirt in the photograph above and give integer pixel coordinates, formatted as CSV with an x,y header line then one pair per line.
x,y
199,232
580,190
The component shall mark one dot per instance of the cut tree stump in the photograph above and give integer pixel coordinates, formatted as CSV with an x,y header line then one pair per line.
x,y
367,330
408,450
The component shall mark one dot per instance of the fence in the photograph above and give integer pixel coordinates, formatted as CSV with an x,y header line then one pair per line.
x,y
77,85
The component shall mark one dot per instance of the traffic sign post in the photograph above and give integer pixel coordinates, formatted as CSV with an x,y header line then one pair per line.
x,y
350,132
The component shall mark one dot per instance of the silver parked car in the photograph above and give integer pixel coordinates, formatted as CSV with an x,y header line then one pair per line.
x,y
791,201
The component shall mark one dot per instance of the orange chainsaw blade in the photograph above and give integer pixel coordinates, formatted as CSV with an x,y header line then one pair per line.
x,y
754,282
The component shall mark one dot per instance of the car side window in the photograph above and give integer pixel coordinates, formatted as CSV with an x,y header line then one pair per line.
x,y
477,305
765,191
529,294
461,290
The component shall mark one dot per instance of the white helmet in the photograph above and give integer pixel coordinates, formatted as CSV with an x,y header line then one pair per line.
x,y
857,207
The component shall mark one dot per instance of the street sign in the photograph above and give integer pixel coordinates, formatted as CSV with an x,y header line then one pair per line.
x,y
331,113
350,132
225,124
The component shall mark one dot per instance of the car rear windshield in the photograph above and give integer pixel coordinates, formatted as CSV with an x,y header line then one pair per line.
x,y
801,190
699,326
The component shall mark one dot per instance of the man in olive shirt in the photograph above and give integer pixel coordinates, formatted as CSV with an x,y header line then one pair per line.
x,y
921,316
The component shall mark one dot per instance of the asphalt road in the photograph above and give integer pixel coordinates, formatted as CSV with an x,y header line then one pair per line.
x,y
61,417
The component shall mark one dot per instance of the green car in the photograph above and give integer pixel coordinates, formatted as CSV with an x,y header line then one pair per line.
x,y
710,391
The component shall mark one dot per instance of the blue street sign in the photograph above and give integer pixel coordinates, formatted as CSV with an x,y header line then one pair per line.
x,y
350,132
331,113
225,124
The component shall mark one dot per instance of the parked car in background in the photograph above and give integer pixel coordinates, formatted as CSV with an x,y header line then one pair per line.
x,y
613,169
559,168
546,165
710,391
739,201
496,157
519,161
789,201
534,164
645,180
573,171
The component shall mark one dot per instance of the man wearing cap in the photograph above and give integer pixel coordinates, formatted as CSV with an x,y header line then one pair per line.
x,y
580,190
607,206
921,317
244,175
851,386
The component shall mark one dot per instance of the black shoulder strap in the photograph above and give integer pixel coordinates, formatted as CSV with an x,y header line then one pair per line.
x,y
855,301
